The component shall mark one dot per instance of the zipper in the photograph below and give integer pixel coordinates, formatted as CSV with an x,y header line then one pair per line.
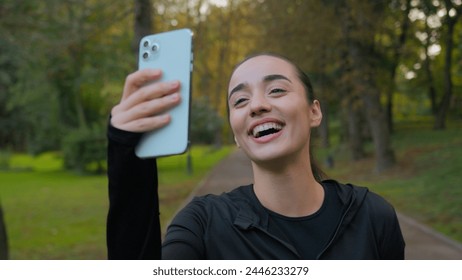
x,y
338,228
287,245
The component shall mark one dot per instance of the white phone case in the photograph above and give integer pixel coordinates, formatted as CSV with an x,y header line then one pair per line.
x,y
172,53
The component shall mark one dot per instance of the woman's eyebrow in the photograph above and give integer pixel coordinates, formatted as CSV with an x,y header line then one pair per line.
x,y
266,79
237,88
273,77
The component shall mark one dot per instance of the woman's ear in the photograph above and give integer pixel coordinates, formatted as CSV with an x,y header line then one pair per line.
x,y
315,114
237,143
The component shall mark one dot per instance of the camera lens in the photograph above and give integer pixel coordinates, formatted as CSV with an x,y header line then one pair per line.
x,y
146,43
145,55
155,47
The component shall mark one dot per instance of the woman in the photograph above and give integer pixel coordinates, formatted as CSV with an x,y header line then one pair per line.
x,y
287,213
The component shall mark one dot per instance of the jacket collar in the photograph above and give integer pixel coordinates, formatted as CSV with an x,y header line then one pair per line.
x,y
252,214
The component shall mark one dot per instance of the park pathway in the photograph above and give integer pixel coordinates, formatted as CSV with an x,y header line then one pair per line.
x,y
422,243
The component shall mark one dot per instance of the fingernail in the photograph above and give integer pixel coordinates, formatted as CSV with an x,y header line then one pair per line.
x,y
174,96
174,84
165,118
154,74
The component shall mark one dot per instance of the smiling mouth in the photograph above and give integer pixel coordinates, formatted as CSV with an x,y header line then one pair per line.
x,y
266,129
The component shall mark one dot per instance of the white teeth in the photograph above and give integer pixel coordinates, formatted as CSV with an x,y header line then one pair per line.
x,y
265,126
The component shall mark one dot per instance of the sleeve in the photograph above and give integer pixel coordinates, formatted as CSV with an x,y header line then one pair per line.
x,y
391,241
393,244
184,238
133,225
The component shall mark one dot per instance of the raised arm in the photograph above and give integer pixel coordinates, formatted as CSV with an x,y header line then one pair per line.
x,y
133,227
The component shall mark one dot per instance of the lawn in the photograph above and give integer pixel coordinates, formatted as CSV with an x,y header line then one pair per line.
x,y
55,214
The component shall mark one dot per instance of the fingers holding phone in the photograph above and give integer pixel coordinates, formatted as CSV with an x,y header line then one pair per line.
x,y
172,52
144,103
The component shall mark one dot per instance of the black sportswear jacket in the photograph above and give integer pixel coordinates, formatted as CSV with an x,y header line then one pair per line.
x,y
232,225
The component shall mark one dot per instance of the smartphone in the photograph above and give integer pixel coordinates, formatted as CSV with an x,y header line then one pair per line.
x,y
172,52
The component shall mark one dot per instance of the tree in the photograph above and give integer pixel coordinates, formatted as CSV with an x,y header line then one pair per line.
x,y
205,123
453,12
427,60
397,49
65,54
352,106
143,22
361,20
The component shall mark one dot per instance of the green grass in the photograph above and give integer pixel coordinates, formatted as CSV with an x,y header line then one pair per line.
x,y
426,182
54,214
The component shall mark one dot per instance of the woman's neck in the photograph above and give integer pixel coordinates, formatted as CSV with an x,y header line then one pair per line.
x,y
289,189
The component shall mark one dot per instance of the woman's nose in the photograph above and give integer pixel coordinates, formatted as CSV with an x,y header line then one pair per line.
x,y
259,105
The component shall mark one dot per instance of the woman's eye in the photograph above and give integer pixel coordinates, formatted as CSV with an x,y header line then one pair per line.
x,y
239,101
277,90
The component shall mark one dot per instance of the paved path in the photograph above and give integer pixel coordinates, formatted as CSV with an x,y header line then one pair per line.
x,y
421,242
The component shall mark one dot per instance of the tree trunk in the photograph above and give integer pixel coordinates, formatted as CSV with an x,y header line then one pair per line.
x,y
398,50
355,136
223,56
385,157
428,72
376,118
440,121
361,53
3,237
143,22
351,105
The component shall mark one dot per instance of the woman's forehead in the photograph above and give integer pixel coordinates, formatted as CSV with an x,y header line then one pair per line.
x,y
253,69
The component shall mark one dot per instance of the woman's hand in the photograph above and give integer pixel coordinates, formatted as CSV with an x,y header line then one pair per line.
x,y
143,105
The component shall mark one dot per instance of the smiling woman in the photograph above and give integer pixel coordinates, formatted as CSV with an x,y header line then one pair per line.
x,y
288,212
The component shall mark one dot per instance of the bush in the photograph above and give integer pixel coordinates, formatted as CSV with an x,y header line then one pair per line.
x,y
5,160
206,123
84,150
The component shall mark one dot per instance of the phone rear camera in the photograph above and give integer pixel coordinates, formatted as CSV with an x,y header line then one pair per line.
x,y
146,43
155,47
145,55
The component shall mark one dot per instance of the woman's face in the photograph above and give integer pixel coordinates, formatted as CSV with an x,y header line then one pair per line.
x,y
269,111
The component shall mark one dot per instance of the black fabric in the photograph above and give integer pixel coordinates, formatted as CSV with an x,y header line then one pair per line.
x,y
311,233
233,225
133,226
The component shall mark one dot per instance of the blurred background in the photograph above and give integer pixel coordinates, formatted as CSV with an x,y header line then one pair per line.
x,y
388,75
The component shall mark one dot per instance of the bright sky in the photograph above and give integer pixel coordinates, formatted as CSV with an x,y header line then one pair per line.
x,y
219,3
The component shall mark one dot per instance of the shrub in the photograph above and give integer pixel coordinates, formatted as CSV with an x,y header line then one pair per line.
x,y
84,150
206,123
4,160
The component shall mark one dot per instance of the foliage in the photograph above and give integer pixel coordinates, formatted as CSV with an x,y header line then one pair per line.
x,y
60,55
205,123
84,147
5,160
63,63
49,161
